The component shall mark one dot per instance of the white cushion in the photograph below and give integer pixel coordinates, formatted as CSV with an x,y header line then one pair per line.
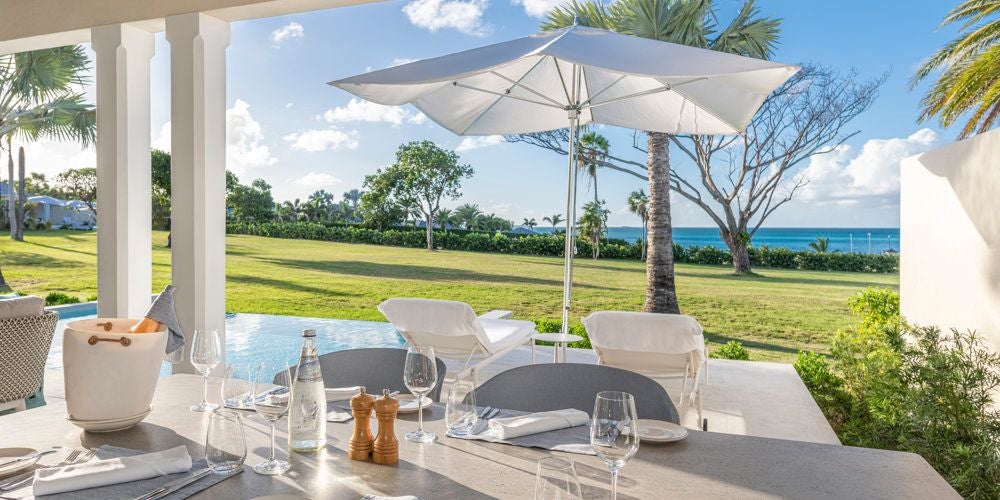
x,y
21,306
503,333
645,332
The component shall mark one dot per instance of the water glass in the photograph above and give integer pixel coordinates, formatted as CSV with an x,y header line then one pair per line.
x,y
205,356
226,443
460,413
420,377
556,479
614,432
271,398
236,387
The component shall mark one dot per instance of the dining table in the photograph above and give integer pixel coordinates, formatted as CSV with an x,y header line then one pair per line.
x,y
703,465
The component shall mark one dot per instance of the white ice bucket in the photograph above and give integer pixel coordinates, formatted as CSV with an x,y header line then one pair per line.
x,y
110,374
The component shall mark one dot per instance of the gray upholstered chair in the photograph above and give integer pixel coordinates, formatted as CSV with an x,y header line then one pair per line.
x,y
374,368
24,347
557,386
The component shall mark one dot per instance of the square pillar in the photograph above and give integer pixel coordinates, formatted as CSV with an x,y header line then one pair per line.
x,y
198,172
124,237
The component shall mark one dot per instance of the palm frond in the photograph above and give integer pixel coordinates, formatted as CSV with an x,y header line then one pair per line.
x,y
593,14
749,34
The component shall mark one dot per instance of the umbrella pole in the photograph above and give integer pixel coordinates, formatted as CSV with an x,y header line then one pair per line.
x,y
574,119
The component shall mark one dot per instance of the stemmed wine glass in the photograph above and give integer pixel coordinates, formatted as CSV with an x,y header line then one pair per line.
x,y
271,401
420,376
614,432
205,356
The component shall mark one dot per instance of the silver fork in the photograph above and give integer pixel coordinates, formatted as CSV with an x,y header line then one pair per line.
x,y
77,456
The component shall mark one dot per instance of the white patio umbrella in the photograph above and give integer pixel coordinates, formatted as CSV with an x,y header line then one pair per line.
x,y
573,77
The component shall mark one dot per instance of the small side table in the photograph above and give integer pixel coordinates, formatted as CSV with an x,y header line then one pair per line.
x,y
559,339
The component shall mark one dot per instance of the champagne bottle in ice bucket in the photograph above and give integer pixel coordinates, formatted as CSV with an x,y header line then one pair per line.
x,y
161,314
307,414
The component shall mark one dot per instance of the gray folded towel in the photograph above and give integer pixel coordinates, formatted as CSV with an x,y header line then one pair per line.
x,y
163,311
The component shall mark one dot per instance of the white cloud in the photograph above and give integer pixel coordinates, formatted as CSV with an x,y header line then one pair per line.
x,y
318,180
538,8
289,105
470,143
466,16
51,157
358,110
313,141
245,148
870,177
287,32
399,61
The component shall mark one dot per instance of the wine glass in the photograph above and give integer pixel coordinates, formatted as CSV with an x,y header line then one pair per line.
x,y
236,387
271,402
420,376
205,356
556,479
226,443
460,410
614,433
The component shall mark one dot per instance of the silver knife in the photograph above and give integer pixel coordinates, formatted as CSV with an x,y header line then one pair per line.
x,y
177,484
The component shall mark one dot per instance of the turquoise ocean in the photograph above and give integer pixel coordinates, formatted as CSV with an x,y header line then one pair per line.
x,y
859,240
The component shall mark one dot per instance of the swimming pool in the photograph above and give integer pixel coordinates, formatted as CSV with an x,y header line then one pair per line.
x,y
252,338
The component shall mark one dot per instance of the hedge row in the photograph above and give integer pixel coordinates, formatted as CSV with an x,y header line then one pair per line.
x,y
552,245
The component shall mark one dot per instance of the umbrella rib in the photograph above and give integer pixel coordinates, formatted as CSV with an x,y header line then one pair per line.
x,y
589,100
563,81
706,110
504,94
529,89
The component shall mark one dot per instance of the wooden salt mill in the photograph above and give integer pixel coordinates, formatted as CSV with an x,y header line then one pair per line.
x,y
386,448
360,446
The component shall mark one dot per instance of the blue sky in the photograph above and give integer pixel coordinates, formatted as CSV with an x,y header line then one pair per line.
x,y
288,127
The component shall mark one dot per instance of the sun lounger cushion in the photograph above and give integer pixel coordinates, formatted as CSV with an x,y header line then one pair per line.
x,y
503,333
21,306
645,332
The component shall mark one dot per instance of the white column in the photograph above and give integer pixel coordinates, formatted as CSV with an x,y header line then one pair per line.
x,y
124,240
198,171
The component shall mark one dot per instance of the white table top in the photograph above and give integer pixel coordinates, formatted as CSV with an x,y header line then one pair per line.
x,y
556,337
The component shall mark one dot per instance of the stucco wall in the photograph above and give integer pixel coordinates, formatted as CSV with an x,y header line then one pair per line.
x,y
950,236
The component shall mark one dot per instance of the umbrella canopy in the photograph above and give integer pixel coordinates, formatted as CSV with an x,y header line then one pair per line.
x,y
46,200
526,85
576,76
78,204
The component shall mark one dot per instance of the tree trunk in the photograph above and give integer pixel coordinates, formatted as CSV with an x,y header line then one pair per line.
x,y
661,294
430,231
11,193
738,247
21,196
645,239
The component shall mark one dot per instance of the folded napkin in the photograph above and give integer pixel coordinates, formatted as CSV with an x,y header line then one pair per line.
x,y
534,423
111,471
341,393
162,311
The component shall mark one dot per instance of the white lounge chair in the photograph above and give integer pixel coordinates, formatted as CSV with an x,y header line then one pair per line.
x,y
660,346
455,332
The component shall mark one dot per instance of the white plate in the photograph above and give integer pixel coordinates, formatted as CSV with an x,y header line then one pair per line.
x,y
109,425
658,431
8,453
408,403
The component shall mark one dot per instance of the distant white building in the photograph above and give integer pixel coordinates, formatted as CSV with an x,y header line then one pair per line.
x,y
60,214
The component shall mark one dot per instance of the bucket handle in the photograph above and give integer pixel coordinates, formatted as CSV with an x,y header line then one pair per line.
x,y
106,326
124,341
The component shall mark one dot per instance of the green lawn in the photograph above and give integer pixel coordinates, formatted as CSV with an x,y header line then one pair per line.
x,y
775,313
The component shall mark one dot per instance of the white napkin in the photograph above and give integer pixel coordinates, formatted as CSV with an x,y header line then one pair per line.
x,y
534,423
341,393
111,471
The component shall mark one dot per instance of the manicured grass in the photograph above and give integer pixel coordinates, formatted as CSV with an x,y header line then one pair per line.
x,y
774,313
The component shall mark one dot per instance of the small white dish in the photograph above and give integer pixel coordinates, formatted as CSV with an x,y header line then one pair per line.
x,y
658,431
408,403
8,453
109,425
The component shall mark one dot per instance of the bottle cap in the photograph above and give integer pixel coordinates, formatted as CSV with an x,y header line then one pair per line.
x,y
309,332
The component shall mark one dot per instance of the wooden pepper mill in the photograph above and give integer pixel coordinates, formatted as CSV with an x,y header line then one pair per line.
x,y
360,446
386,448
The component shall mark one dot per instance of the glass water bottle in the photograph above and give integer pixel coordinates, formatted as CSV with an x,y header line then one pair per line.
x,y
307,414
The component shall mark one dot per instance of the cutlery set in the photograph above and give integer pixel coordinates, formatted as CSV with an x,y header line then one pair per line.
x,y
485,415
177,484
77,456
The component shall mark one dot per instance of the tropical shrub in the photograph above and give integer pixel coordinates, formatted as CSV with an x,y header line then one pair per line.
x,y
555,326
731,350
891,385
552,245
59,298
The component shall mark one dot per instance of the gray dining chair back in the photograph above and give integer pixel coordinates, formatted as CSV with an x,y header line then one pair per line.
x,y
557,386
375,368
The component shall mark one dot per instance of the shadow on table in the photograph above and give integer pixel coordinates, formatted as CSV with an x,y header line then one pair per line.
x,y
143,436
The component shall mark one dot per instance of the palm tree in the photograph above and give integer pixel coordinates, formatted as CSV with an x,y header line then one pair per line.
x,y
554,220
467,214
592,224
638,203
693,23
353,197
821,245
967,70
40,97
591,152
444,218
529,223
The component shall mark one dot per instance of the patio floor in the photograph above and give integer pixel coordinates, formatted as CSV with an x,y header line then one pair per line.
x,y
742,397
